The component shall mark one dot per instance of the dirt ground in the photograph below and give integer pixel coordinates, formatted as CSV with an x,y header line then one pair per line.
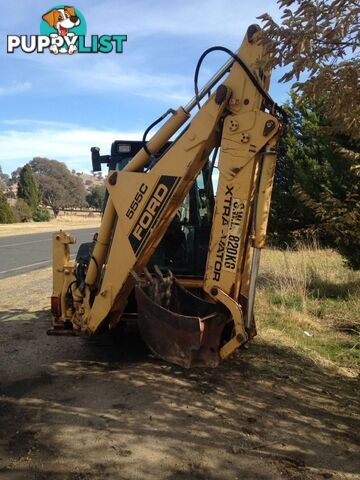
x,y
80,409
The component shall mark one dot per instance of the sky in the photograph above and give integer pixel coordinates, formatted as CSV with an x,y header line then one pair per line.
x,y
60,106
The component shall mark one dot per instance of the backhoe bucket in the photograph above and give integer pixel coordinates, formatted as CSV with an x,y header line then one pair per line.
x,y
178,326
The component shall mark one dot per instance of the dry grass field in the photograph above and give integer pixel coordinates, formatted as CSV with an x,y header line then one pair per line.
x,y
308,299
62,222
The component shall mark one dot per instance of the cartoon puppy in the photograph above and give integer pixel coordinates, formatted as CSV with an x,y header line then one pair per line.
x,y
62,19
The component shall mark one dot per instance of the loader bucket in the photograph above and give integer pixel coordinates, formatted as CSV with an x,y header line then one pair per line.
x,y
178,326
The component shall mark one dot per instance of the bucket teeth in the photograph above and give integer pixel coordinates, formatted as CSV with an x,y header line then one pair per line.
x,y
159,274
148,276
135,277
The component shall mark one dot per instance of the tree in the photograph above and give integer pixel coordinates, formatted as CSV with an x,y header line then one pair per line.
x,y
320,39
340,221
6,213
15,175
95,197
27,188
4,179
315,183
58,187
305,160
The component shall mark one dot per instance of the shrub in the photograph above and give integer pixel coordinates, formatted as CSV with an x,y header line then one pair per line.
x,y
6,213
22,211
41,215
95,197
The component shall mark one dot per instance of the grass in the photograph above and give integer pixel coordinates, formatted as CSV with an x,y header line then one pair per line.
x,y
308,299
62,222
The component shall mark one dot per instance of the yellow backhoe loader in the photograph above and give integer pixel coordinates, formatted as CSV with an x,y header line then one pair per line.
x,y
180,260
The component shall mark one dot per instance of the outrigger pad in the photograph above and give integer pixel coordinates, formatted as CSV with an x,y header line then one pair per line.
x,y
178,326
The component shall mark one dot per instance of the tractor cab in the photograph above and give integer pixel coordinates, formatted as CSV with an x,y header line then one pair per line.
x,y
184,247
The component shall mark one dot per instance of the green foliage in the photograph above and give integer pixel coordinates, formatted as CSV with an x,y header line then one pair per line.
x,y
321,38
58,187
6,213
41,215
95,197
339,221
22,211
302,160
316,190
27,188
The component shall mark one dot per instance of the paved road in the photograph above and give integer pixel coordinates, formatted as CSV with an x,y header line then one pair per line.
x,y
24,253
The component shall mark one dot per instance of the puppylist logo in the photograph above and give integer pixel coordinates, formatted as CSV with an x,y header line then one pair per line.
x,y
63,31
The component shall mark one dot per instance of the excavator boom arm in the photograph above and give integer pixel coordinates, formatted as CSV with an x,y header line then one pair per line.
x,y
143,201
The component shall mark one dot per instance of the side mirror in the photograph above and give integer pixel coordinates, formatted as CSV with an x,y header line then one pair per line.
x,y
96,159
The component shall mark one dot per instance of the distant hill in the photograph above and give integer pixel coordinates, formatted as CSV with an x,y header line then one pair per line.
x,y
89,179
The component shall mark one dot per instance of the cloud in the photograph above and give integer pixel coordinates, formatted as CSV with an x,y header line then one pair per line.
x,y
44,123
110,75
203,18
71,145
15,88
103,75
